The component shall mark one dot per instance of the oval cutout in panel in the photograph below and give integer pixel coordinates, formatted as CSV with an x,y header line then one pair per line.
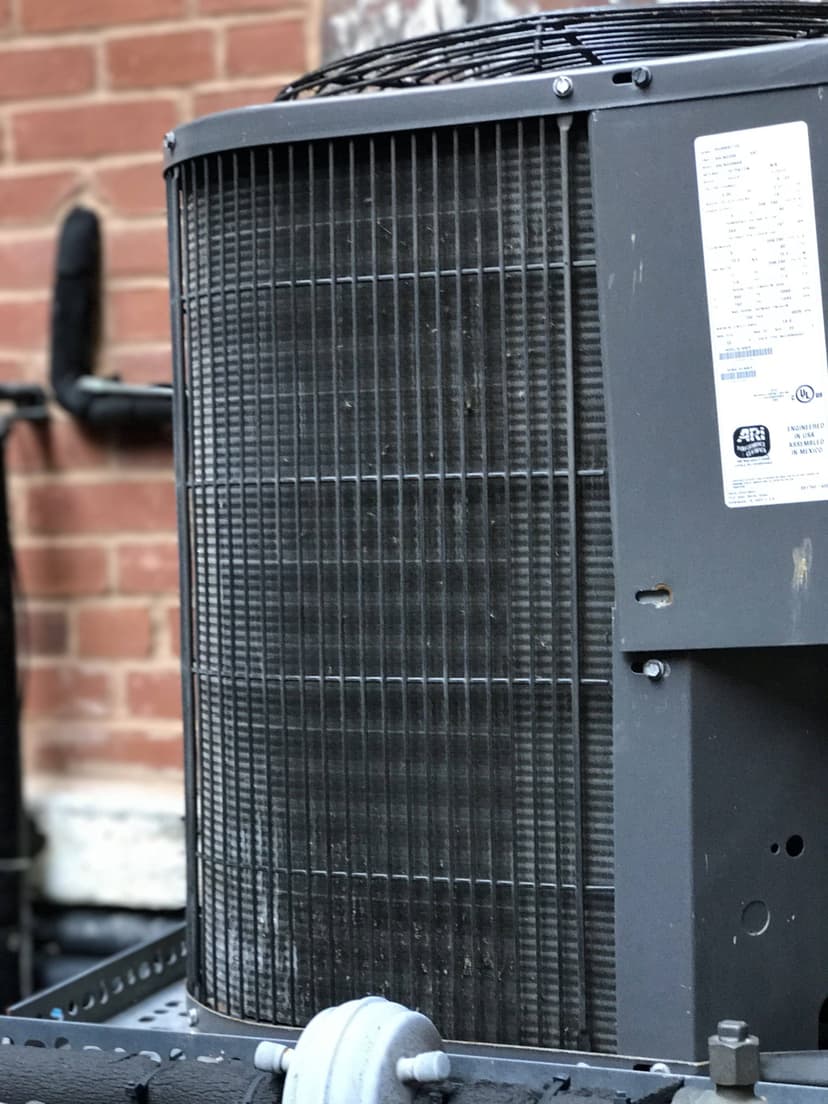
x,y
658,597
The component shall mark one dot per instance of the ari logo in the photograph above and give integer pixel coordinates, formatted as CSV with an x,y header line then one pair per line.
x,y
751,441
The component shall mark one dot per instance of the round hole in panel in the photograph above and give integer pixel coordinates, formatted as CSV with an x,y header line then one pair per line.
x,y
794,845
756,918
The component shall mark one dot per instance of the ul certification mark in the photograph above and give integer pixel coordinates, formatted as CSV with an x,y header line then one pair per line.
x,y
805,393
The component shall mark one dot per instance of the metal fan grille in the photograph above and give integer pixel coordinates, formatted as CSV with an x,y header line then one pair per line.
x,y
565,40
397,505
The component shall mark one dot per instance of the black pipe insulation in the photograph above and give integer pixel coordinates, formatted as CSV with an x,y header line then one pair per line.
x,y
75,312
68,1076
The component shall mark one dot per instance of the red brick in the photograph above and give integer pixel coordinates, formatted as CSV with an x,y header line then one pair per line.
x,y
44,632
154,694
113,507
26,263
62,15
148,568
62,752
144,749
276,46
153,61
174,629
58,571
65,691
114,632
27,74
227,99
24,325
34,196
12,370
136,189
5,14
55,446
137,251
142,365
92,129
139,314
222,7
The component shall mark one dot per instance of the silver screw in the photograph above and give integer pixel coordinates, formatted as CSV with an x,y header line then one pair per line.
x,y
654,669
562,87
169,141
642,77
192,1017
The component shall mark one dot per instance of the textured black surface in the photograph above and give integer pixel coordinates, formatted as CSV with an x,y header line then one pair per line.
x,y
565,40
402,579
34,1073
31,1073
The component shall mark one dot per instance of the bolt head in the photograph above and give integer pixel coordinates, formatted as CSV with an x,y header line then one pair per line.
x,y
735,1031
654,669
641,76
562,87
169,141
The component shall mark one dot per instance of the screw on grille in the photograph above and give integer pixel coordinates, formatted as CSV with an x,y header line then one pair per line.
x,y
170,141
654,669
562,87
642,77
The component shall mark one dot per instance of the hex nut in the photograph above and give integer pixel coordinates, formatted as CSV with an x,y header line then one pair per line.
x,y
734,1055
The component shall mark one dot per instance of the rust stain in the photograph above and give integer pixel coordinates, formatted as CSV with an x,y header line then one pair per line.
x,y
802,558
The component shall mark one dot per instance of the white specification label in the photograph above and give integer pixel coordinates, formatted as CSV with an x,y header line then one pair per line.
x,y
764,298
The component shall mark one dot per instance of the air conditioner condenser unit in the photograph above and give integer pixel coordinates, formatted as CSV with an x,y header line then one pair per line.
x,y
502,479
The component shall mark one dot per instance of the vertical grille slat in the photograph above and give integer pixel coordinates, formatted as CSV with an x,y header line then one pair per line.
x,y
396,493
579,1029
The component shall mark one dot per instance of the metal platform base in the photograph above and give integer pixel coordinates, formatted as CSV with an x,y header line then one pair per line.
x,y
137,1003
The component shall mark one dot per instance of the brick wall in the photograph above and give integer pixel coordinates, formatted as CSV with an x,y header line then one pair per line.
x,y
87,90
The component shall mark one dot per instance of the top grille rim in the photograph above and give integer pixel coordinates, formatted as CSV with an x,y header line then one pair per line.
x,y
713,74
568,39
